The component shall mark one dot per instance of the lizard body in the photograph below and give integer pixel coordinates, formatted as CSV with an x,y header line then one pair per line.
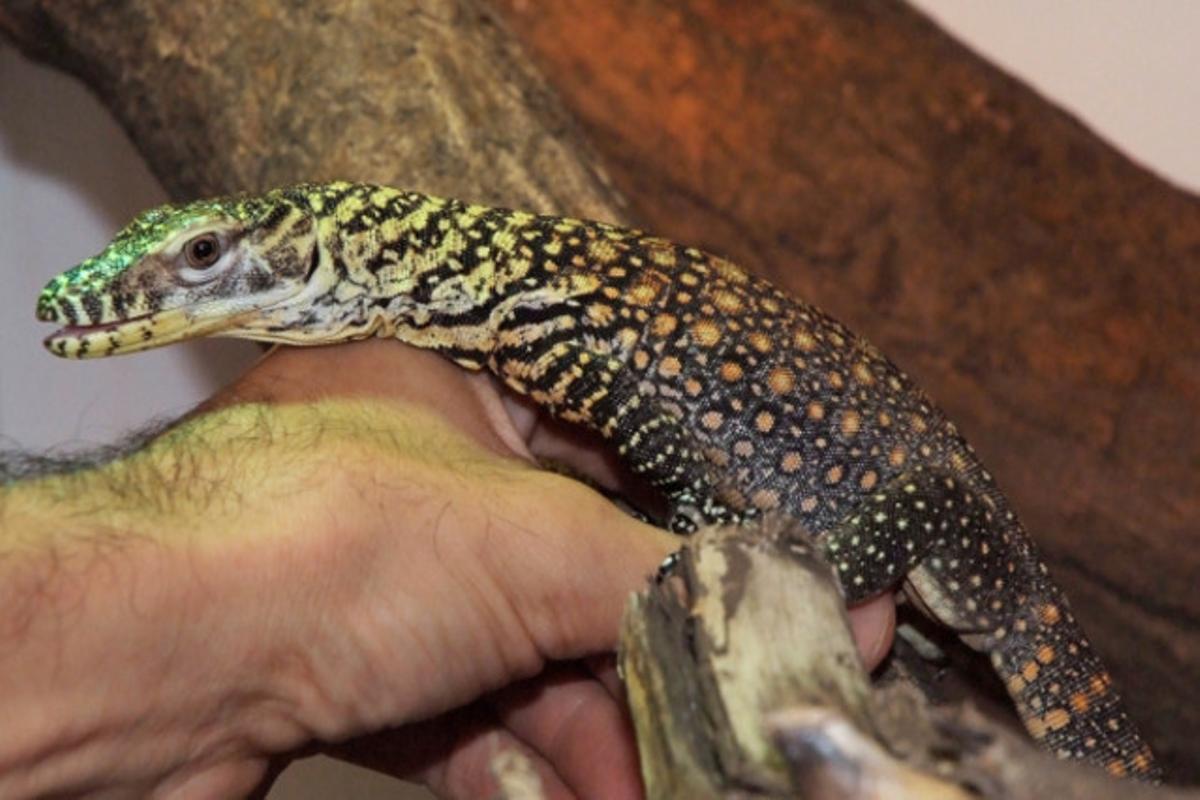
x,y
729,396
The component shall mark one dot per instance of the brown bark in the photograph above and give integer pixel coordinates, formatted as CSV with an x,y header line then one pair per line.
x,y
235,95
1039,284
1042,287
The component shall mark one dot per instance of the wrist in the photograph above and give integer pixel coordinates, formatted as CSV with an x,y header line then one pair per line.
x,y
140,634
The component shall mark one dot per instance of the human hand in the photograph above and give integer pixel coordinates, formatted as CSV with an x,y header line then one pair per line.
x,y
367,548
568,719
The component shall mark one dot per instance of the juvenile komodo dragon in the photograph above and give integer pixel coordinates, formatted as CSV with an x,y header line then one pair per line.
x,y
730,397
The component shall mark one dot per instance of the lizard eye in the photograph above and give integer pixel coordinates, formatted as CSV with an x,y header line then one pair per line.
x,y
202,251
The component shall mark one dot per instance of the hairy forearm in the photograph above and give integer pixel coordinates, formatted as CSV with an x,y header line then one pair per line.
x,y
141,601
264,575
112,582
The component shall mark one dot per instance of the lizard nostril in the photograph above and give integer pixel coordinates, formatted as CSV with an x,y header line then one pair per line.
x,y
47,311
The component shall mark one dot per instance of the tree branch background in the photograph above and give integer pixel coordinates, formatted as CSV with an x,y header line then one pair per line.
x,y
1041,286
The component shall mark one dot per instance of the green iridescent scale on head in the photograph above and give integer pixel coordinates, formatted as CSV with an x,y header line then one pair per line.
x,y
141,236
177,270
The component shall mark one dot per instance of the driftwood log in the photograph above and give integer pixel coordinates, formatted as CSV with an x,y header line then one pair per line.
x,y
735,695
1044,288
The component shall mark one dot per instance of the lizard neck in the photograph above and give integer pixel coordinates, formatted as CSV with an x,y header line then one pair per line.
x,y
428,271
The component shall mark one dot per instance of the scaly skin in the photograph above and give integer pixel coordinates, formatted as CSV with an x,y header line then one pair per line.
x,y
729,396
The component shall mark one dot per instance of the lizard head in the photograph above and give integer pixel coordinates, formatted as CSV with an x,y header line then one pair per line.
x,y
206,268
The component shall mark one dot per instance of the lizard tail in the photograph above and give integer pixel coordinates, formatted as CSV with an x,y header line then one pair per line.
x,y
1064,694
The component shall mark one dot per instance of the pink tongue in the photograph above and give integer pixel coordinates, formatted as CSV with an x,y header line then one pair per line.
x,y
83,330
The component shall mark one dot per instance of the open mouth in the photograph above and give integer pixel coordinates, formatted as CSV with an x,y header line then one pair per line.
x,y
129,335
76,331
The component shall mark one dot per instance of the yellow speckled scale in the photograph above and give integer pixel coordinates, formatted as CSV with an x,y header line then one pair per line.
x,y
731,397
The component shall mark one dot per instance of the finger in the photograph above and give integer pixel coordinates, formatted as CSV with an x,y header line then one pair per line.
x,y
577,727
469,772
603,667
454,755
874,627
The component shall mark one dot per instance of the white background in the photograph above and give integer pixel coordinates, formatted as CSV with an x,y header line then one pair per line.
x,y
69,178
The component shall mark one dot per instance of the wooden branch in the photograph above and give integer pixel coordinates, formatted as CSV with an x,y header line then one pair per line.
x,y
236,95
744,681
743,629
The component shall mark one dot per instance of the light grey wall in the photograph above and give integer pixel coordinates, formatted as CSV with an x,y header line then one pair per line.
x,y
1129,69
69,178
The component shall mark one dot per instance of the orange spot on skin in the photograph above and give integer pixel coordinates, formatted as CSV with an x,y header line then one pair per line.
x,y
897,457
663,256
885,419
1016,684
1045,654
732,498
692,387
602,251
766,499
727,301
643,294
647,289
717,457
711,420
1098,685
869,479
918,423
808,504
1037,727
834,475
731,372
862,374
600,312
760,341
836,381
1116,769
791,462
641,359
1079,702
804,340
764,421
1030,671
1141,762
727,270
1049,614
781,380
816,410
664,325
1057,718
706,332
743,448
851,423
669,367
